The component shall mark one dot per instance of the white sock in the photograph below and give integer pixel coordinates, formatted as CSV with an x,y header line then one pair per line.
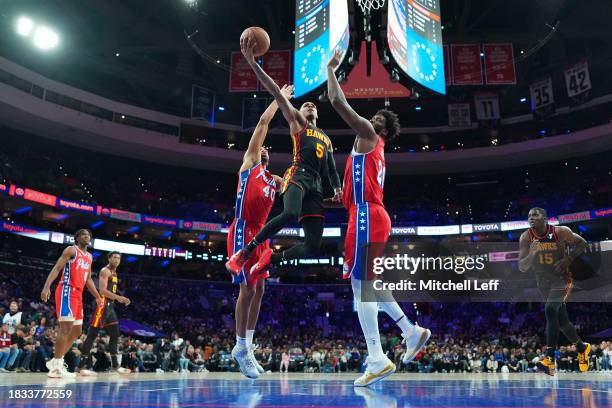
x,y
368,319
249,337
241,341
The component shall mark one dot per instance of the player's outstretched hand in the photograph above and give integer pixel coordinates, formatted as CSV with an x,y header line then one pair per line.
x,y
335,60
45,294
247,45
99,301
124,300
287,91
337,195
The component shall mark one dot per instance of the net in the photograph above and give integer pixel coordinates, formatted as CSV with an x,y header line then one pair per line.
x,y
367,5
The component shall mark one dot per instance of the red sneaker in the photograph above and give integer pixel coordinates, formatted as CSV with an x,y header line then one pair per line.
x,y
262,263
236,262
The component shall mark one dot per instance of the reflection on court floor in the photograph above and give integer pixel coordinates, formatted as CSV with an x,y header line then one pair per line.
x,y
314,390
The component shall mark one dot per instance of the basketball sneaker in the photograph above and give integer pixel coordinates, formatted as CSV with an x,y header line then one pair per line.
x,y
122,370
583,359
414,341
262,263
258,366
58,369
245,363
375,372
236,262
547,366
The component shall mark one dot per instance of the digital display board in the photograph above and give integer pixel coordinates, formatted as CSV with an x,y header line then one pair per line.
x,y
414,34
321,26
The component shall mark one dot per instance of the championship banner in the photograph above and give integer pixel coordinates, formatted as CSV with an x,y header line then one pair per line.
x,y
466,64
202,104
487,105
542,97
578,82
277,65
242,77
499,64
459,115
448,76
252,109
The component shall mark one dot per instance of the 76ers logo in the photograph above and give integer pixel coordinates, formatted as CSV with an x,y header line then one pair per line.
x,y
83,264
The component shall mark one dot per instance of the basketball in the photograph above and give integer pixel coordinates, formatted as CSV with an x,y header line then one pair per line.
x,y
260,36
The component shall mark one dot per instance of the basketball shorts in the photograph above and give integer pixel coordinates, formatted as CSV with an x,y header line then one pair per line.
x,y
368,231
69,305
104,316
310,184
238,236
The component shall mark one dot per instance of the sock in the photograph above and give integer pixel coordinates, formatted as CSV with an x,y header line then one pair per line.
x,y
550,353
395,312
249,337
241,341
580,346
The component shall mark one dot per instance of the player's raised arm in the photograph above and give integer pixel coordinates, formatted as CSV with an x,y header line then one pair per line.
x,y
253,154
576,242
360,125
67,254
527,252
293,117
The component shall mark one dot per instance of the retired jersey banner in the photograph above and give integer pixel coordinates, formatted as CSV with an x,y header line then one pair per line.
x,y
242,77
577,79
277,65
466,64
487,105
459,115
448,76
499,64
542,98
252,109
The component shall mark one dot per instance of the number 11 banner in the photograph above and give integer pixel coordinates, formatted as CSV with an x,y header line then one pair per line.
x,y
487,105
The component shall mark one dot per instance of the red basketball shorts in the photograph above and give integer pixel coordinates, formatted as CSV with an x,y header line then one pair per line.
x,y
69,305
368,224
238,236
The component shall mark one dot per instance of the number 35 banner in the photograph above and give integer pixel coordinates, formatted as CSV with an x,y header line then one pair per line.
x,y
542,97
577,79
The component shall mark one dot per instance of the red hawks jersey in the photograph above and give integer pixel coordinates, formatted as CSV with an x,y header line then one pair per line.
x,y
77,270
364,176
255,196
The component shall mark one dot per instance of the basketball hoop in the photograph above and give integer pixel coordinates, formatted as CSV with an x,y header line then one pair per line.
x,y
367,5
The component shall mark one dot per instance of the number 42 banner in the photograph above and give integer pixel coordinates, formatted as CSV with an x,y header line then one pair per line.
x,y
577,79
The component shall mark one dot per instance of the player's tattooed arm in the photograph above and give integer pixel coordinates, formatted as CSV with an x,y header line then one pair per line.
x,y
253,154
359,124
576,242
527,252
293,117
67,254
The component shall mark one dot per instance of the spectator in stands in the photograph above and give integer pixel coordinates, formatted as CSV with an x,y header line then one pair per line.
x,y
13,317
9,350
24,344
284,361
149,358
492,364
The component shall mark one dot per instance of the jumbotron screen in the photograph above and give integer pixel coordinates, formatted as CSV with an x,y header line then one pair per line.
x,y
414,33
321,26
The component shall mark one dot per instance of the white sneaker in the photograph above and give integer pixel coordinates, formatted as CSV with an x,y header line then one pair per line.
x,y
54,369
375,371
123,370
87,373
414,342
259,368
243,358
65,373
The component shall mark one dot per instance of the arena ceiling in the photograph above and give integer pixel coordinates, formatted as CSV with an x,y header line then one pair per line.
x,y
136,51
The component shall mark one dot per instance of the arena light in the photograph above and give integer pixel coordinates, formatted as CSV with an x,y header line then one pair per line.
x,y
45,38
24,26
523,100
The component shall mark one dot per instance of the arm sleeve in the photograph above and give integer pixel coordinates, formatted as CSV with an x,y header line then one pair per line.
x,y
334,179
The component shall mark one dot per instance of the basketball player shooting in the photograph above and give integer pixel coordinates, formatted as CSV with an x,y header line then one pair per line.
x,y
75,267
548,251
364,177
254,200
302,187
105,317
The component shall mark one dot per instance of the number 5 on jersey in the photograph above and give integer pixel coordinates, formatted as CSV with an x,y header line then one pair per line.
x,y
320,151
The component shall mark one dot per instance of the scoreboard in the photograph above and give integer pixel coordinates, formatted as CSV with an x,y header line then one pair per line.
x,y
414,35
321,26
